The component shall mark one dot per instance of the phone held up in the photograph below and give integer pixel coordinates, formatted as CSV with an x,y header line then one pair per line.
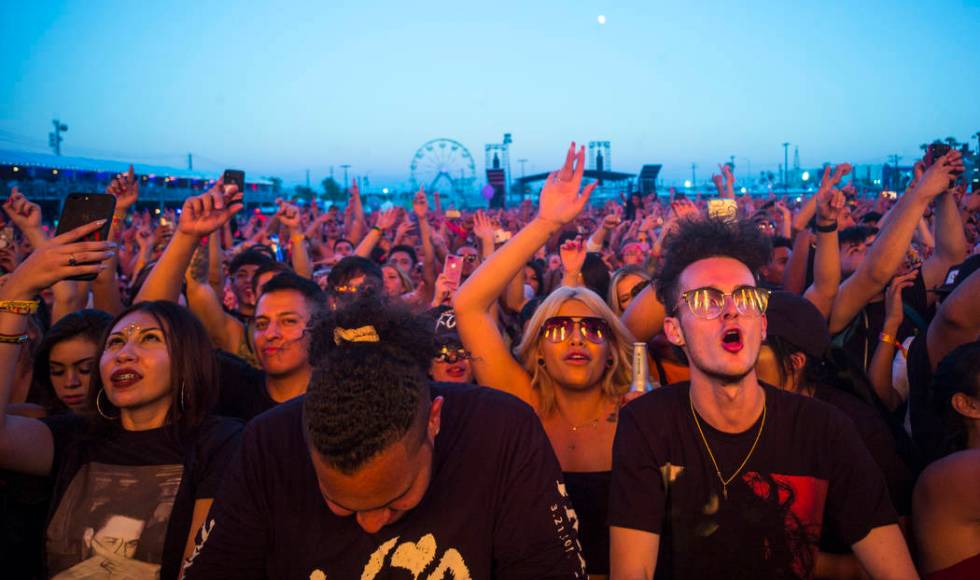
x,y
84,208
236,177
453,270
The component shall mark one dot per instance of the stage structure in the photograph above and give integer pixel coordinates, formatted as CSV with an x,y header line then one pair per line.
x,y
497,164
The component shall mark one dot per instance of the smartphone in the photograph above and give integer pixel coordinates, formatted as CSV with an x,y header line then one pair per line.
x,y
889,194
934,152
453,269
84,208
724,209
237,177
500,236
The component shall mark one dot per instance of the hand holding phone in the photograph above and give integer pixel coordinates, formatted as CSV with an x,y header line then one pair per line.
x,y
84,208
235,177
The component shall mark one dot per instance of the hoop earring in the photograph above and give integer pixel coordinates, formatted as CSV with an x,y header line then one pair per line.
x,y
540,361
98,406
180,401
610,362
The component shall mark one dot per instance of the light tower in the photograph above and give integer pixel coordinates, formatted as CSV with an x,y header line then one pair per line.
x,y
55,138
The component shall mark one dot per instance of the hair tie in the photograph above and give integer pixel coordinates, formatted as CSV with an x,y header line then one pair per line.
x,y
362,334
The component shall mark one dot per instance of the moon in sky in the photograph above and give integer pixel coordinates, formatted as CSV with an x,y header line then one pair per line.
x,y
601,19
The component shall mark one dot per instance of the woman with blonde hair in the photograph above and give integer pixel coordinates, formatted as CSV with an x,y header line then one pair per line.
x,y
626,283
574,363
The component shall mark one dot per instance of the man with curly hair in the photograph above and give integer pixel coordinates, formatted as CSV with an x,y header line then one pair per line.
x,y
725,476
378,473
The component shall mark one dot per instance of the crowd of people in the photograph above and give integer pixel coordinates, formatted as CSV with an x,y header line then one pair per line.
x,y
655,385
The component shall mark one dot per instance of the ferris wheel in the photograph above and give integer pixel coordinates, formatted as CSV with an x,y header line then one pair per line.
x,y
444,164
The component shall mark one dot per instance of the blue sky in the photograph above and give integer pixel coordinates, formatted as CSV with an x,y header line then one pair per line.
x,y
278,88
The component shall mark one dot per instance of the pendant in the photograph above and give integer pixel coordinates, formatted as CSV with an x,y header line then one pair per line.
x,y
724,491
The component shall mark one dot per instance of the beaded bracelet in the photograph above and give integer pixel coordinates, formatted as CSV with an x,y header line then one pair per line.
x,y
13,338
19,306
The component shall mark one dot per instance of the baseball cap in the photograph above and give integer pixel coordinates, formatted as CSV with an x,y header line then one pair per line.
x,y
958,273
797,321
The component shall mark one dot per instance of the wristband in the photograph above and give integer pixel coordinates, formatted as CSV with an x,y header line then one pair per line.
x,y
889,339
827,228
13,338
19,306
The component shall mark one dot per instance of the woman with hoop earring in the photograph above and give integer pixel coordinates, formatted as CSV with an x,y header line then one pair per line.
x,y
132,481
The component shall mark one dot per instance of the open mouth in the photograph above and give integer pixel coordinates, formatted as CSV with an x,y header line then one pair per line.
x,y
456,371
125,378
732,340
578,358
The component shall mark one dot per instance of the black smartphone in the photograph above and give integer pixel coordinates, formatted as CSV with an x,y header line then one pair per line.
x,y
84,208
935,151
237,177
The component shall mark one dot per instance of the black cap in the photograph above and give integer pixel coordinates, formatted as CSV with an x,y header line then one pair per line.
x,y
958,273
797,321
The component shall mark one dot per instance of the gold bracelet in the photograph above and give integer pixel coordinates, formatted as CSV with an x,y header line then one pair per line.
x,y
19,306
13,338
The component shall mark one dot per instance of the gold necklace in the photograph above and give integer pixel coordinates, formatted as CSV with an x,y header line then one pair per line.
x,y
724,482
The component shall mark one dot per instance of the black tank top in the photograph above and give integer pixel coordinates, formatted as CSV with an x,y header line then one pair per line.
x,y
589,493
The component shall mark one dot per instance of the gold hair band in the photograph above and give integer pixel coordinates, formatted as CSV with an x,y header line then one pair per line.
x,y
362,334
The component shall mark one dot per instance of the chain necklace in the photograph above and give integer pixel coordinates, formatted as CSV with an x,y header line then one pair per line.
x,y
725,482
593,423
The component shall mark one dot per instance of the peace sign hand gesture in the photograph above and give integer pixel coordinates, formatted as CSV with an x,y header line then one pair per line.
x,y
560,199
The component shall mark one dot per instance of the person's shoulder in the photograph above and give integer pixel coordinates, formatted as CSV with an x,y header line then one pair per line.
x,y
470,399
276,418
953,477
218,427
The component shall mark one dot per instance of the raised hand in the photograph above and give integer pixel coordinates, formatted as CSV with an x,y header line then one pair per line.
x,y
125,188
939,177
560,198
482,226
25,214
572,254
444,291
206,213
59,258
832,180
894,314
387,219
830,202
289,216
420,205
684,208
726,170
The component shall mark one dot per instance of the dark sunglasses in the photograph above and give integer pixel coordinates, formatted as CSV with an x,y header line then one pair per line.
x,y
592,328
469,258
451,355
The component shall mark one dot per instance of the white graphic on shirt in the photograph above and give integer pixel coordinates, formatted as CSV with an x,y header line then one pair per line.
x,y
565,523
416,557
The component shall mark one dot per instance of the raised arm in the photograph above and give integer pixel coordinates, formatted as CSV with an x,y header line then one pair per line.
x,y
386,220
420,206
289,216
950,241
26,445
201,215
880,367
493,363
887,252
356,231
572,254
826,262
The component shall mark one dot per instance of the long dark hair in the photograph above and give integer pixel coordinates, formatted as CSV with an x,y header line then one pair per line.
x,y
90,325
193,368
958,372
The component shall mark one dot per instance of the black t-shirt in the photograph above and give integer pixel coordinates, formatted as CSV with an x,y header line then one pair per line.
x,y
860,339
242,393
925,416
809,470
878,439
123,500
495,507
589,494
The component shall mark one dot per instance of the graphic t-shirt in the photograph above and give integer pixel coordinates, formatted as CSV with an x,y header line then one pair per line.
x,y
495,507
123,500
809,470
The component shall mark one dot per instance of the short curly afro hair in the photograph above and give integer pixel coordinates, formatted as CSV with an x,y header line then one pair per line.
x,y
364,396
698,239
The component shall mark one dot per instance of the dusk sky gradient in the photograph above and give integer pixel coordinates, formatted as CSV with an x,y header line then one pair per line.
x,y
278,88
